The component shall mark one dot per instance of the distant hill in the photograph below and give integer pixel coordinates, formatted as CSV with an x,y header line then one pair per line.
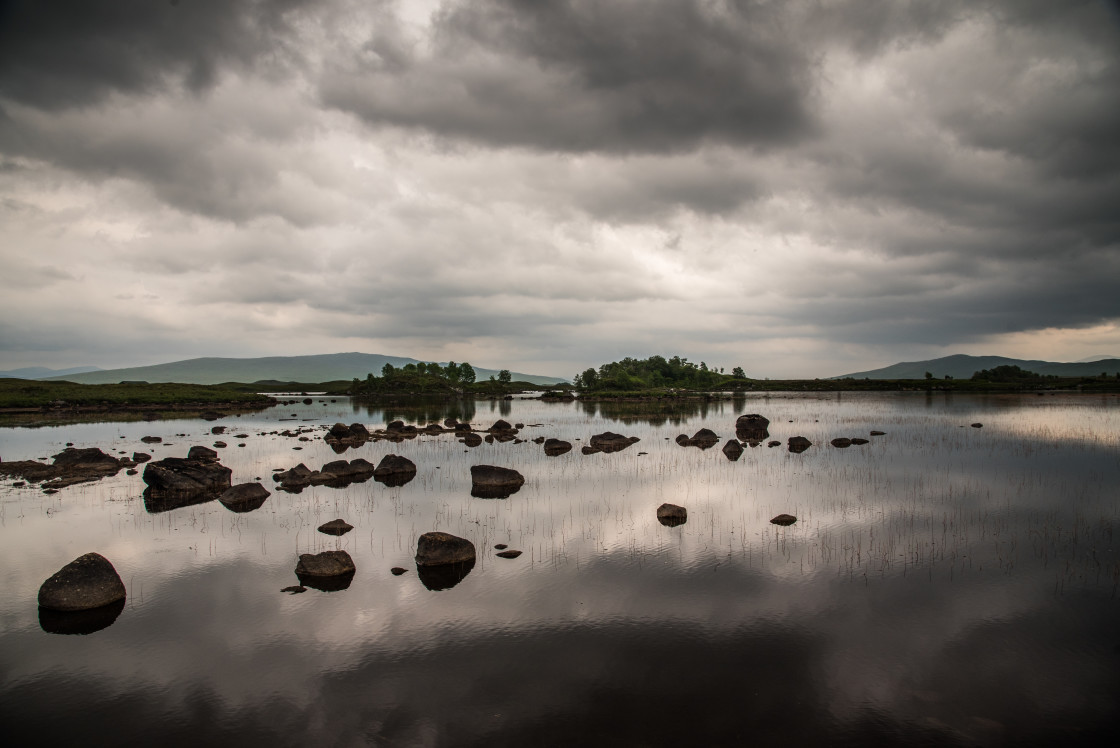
x,y
322,368
42,372
963,367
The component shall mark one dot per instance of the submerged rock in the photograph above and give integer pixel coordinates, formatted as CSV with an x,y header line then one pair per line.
x,y
329,571
704,439
87,582
774,443
752,428
733,450
784,520
556,447
199,474
244,497
294,589
394,470
878,433
609,441
977,425
841,442
335,527
798,444
472,439
492,482
858,441
445,576
508,554
672,515
440,548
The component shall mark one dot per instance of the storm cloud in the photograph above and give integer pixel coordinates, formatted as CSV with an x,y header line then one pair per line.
x,y
813,186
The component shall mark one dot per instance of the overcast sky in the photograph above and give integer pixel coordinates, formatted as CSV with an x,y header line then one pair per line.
x,y
802,188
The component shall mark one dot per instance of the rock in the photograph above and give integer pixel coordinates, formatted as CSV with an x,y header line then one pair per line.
x,y
131,471
841,442
774,443
141,457
335,527
519,425
672,515
611,442
492,482
91,460
857,440
785,520
508,554
151,439
704,439
220,445
500,546
325,564
218,430
798,444
472,440
294,480
244,497
394,470
590,450
733,450
500,425
196,478
398,570
202,454
450,423
440,548
977,425
87,582
394,426
878,433
752,428
295,589
556,447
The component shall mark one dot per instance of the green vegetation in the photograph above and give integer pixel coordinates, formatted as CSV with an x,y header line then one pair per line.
x,y
630,374
24,393
432,379
1009,374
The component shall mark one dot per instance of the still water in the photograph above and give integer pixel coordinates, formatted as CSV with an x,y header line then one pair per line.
x,y
943,584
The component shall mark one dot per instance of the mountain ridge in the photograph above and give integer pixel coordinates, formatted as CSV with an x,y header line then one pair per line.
x,y
43,372
324,367
962,366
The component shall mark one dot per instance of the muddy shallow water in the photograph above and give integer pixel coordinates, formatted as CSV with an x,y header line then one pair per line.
x,y
943,583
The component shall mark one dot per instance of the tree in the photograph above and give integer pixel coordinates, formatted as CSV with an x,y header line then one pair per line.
x,y
505,376
589,378
451,371
929,375
466,373
738,373
387,370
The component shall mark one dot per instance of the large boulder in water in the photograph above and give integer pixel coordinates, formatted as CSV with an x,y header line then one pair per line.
x,y
752,428
87,582
556,447
609,441
394,470
325,564
440,548
492,482
471,439
733,450
672,515
244,497
197,475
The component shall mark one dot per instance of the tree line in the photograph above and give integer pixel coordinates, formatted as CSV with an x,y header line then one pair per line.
x,y
653,373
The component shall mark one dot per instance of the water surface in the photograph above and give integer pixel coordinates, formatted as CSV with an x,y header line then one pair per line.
x,y
943,584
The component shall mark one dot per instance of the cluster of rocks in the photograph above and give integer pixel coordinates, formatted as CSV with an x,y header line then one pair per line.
x,y
704,439
69,467
393,470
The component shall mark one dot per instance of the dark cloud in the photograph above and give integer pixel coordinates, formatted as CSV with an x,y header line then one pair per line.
x,y
582,76
75,52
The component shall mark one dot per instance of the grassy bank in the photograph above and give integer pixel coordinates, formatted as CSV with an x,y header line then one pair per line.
x,y
23,393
